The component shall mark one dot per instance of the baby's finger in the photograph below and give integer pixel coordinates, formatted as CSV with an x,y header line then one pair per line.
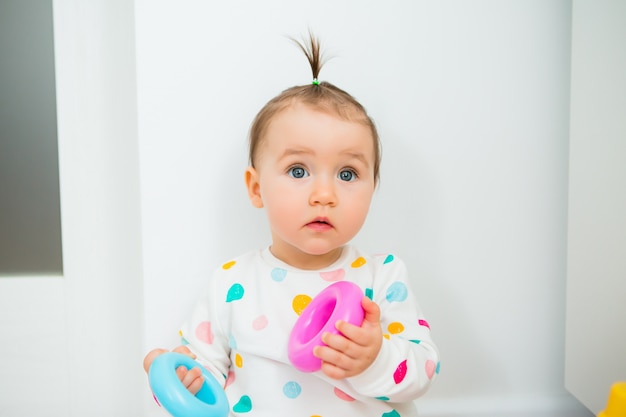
x,y
341,344
181,372
372,311
349,331
196,384
189,377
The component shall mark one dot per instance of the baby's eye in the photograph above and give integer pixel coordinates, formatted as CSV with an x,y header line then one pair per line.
x,y
297,172
347,175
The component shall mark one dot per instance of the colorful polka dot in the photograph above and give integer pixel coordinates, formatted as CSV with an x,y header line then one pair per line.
x,y
369,293
232,342
388,259
397,292
278,274
395,327
400,372
430,368
229,265
332,276
342,395
235,292
358,262
238,360
204,332
244,405
230,379
292,389
423,323
300,302
392,413
260,323
383,398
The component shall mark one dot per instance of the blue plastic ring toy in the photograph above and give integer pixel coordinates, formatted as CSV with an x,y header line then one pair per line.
x,y
170,392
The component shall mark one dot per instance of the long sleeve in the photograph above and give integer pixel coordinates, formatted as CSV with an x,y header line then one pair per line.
x,y
203,333
408,360
240,326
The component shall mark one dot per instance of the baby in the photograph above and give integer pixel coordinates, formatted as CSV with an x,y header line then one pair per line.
x,y
314,166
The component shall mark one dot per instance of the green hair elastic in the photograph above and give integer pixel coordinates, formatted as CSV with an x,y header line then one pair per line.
x,y
315,82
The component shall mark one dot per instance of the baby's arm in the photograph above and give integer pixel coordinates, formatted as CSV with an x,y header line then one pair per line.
x,y
402,371
191,378
202,342
202,333
407,360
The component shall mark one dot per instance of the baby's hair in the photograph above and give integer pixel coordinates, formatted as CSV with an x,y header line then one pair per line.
x,y
321,96
313,53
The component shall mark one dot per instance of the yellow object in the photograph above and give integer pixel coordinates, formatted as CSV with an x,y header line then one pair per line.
x,y
395,327
228,265
300,302
616,405
358,262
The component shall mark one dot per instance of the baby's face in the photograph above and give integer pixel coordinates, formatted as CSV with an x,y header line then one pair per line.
x,y
315,177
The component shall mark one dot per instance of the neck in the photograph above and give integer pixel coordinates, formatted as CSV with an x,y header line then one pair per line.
x,y
306,261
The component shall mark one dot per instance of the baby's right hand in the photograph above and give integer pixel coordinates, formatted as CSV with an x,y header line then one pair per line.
x,y
191,378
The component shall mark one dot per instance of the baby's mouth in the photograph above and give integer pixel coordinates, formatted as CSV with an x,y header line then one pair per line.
x,y
320,222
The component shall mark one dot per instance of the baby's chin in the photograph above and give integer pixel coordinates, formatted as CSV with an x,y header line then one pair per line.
x,y
321,251
312,257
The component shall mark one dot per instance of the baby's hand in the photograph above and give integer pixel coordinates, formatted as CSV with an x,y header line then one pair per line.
x,y
191,378
353,351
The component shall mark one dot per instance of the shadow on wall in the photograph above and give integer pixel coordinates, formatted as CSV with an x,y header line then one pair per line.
x,y
241,227
407,218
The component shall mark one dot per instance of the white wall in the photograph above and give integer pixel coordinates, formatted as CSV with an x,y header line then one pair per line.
x,y
100,206
471,100
71,345
596,273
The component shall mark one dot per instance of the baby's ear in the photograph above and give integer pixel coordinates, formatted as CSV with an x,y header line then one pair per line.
x,y
254,187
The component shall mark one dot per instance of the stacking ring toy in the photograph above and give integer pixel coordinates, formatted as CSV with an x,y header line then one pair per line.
x,y
338,301
170,392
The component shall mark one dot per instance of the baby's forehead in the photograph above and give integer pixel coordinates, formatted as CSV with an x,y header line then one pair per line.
x,y
331,107
336,143
302,122
301,112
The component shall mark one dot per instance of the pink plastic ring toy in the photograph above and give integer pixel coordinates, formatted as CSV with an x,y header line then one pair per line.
x,y
339,301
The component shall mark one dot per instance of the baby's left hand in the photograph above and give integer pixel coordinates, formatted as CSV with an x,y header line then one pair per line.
x,y
353,351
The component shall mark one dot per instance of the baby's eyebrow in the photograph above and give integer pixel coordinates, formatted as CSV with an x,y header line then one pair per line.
x,y
295,152
357,155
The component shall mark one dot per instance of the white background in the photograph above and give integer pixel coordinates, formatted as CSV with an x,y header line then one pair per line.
x,y
155,99
596,253
471,101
